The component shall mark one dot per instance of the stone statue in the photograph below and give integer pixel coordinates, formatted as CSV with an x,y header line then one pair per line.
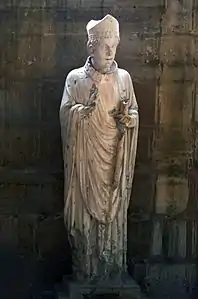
x,y
99,127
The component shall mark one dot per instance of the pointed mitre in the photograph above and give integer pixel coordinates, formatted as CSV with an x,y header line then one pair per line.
x,y
104,28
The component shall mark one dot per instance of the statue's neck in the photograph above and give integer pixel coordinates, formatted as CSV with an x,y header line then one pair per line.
x,y
95,74
95,66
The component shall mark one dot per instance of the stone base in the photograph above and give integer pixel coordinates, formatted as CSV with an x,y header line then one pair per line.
x,y
124,290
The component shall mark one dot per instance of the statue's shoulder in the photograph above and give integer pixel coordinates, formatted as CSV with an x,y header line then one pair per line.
x,y
123,74
75,74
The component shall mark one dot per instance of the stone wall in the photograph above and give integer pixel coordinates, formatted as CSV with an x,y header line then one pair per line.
x,y
41,41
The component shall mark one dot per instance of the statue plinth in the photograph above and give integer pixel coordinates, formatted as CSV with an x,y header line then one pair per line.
x,y
125,288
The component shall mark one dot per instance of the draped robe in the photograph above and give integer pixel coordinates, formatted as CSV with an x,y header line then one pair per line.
x,y
98,170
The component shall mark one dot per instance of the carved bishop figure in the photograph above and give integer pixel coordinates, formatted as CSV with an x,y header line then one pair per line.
x,y
99,127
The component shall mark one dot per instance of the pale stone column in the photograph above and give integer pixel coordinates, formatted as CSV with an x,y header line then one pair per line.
x,y
174,110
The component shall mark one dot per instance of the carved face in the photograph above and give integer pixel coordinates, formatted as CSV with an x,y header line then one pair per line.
x,y
104,53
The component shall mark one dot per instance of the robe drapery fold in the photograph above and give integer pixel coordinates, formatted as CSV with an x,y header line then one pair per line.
x,y
98,168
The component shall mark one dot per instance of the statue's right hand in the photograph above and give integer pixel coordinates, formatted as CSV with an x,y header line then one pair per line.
x,y
88,109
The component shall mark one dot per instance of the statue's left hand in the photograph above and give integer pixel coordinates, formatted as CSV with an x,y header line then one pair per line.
x,y
129,121
126,120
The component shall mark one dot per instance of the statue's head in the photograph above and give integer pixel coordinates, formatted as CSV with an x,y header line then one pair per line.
x,y
103,39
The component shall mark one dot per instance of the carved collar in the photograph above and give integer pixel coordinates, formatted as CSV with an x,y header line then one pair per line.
x,y
94,74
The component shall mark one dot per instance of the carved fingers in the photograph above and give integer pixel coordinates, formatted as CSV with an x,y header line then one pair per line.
x,y
130,121
87,110
124,121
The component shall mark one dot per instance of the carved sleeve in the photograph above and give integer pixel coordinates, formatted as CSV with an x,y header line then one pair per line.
x,y
134,106
68,98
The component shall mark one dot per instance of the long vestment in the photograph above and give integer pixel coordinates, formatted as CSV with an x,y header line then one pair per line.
x,y
98,170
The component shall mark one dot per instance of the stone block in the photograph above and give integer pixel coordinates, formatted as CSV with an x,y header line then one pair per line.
x,y
143,190
172,73
25,3
195,105
51,239
27,112
12,197
150,51
33,197
174,237
195,51
170,281
179,17
77,29
29,21
145,145
26,226
176,144
2,107
9,232
139,237
175,105
61,4
22,147
33,200
177,49
84,14
171,195
133,44
68,54
156,247
3,4
137,3
2,147
48,53
27,63
52,198
51,91
50,147
143,20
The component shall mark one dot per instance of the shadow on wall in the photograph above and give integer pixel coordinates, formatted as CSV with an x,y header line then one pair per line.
x,y
24,275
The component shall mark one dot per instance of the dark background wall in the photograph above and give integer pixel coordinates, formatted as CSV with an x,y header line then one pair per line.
x,y
41,41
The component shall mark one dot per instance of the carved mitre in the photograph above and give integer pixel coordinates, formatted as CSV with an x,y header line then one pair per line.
x,y
104,28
